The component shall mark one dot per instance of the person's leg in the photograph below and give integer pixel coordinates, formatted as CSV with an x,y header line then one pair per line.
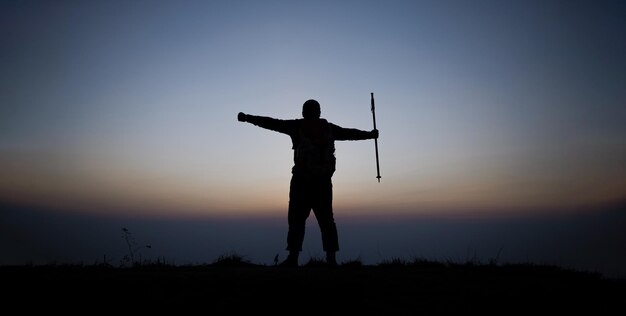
x,y
323,209
299,210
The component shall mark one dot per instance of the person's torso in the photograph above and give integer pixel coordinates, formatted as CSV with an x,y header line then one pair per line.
x,y
314,148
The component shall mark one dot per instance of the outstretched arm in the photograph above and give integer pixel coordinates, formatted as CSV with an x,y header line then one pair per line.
x,y
281,126
341,133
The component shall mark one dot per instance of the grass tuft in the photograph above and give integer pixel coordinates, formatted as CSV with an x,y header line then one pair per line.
x,y
231,260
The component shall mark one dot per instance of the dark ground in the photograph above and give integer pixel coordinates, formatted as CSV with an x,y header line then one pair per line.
x,y
353,290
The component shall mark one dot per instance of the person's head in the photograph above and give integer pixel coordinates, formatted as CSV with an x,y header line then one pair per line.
x,y
311,109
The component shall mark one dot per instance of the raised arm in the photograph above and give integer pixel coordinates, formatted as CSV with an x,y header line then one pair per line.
x,y
281,126
340,133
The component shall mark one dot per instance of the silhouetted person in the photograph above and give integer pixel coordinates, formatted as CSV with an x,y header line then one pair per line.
x,y
314,165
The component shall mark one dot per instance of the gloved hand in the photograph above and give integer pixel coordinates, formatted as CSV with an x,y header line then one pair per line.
x,y
374,133
241,117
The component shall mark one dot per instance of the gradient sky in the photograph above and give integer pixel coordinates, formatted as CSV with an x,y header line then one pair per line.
x,y
490,107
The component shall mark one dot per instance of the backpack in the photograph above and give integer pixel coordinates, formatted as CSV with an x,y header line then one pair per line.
x,y
315,152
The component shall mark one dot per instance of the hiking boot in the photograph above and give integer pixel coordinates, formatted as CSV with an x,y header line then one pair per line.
x,y
290,262
331,260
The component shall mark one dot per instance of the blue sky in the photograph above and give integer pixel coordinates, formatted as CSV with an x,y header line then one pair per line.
x,y
483,106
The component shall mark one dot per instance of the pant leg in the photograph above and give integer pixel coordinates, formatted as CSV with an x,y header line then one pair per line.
x,y
323,210
299,210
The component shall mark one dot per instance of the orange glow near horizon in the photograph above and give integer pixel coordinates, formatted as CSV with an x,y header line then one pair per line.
x,y
91,187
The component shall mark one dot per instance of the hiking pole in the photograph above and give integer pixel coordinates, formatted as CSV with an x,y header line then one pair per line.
x,y
375,140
